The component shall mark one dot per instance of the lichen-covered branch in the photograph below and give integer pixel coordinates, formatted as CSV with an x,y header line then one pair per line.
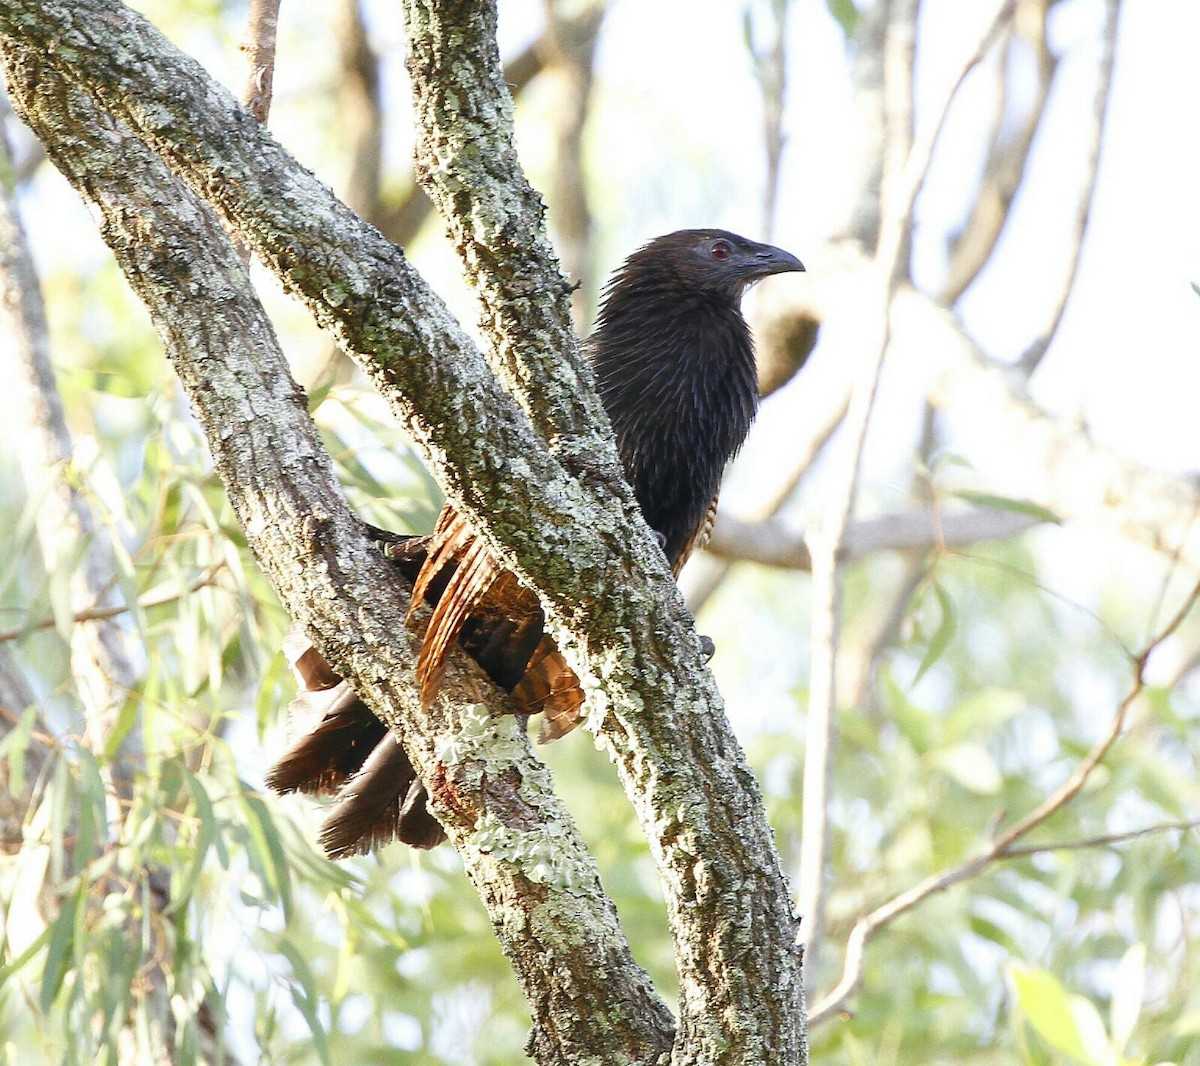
x,y
615,611
592,1003
467,162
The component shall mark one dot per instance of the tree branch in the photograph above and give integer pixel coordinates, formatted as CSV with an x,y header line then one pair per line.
x,y
657,710
1036,351
904,175
467,162
100,614
1005,166
1002,846
569,51
777,544
518,845
1102,840
258,45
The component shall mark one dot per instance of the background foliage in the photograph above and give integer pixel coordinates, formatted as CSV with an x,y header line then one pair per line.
x,y
973,678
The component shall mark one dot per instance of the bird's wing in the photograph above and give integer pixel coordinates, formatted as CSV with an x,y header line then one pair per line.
x,y
551,687
475,572
497,618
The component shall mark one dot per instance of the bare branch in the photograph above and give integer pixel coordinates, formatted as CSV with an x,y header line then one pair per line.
x,y
1008,156
899,60
102,614
1033,355
258,45
889,610
1002,846
901,188
569,50
1103,840
777,544
359,111
770,69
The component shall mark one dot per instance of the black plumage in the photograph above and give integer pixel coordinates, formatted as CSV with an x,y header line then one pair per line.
x,y
674,366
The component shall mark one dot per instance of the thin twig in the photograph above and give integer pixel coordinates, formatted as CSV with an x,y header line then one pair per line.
x,y
258,45
102,614
770,70
1000,847
569,53
1036,351
1104,840
1008,154
900,191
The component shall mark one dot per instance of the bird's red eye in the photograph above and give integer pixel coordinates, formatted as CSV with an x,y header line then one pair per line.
x,y
720,250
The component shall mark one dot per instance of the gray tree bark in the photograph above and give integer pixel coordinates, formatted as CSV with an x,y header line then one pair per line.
x,y
534,467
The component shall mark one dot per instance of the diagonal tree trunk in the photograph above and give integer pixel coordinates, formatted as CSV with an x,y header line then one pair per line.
x,y
539,479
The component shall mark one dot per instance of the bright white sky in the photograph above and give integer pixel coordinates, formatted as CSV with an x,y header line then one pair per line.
x,y
1127,356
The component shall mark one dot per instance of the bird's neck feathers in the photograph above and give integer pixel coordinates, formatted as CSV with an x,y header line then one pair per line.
x,y
676,360
676,373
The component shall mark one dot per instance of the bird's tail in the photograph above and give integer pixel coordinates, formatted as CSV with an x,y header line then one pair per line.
x,y
342,750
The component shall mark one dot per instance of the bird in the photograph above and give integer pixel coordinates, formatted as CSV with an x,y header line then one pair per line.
x,y
673,362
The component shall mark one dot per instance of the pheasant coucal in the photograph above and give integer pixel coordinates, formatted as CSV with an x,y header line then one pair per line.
x,y
674,366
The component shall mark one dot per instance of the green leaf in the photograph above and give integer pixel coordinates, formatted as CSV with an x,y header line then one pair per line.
x,y
266,853
1090,1027
1129,987
945,633
60,952
915,723
92,801
306,999
972,766
26,956
206,833
13,746
1007,503
126,720
845,14
1046,1006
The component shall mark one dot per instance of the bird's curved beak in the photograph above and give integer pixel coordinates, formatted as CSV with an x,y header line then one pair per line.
x,y
766,260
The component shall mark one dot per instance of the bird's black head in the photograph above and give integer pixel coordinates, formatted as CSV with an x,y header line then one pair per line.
x,y
711,261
